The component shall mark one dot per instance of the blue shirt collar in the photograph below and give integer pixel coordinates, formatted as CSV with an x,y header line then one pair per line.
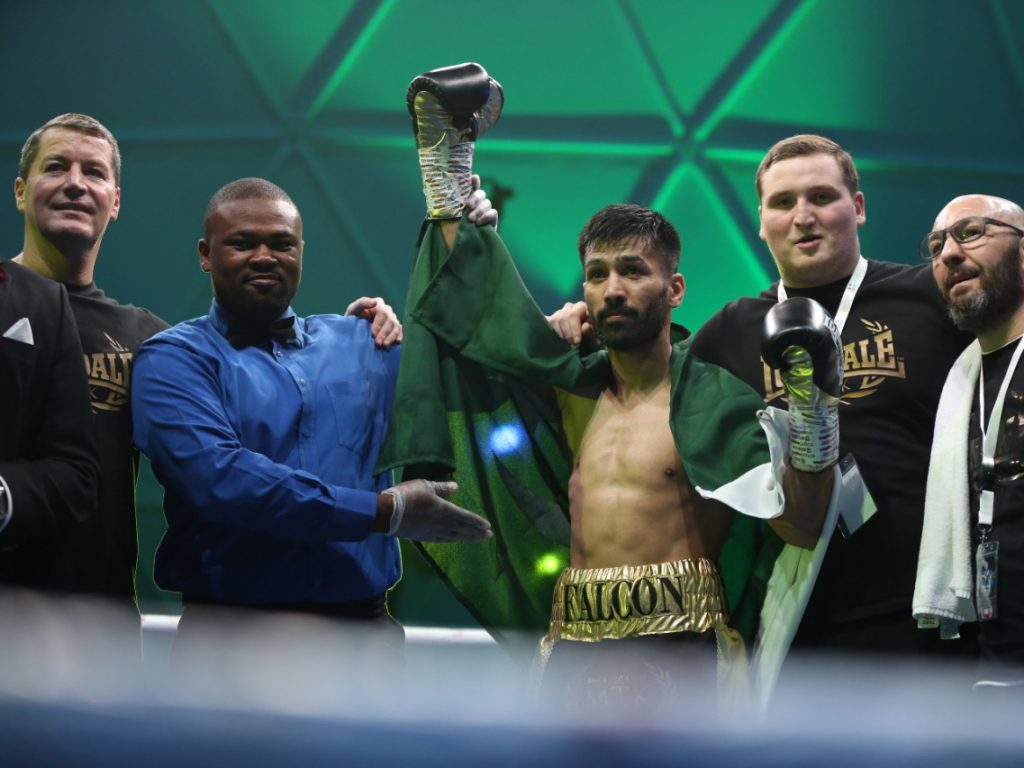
x,y
220,317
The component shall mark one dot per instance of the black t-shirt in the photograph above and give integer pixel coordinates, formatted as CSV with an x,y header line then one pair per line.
x,y
100,554
1002,639
898,345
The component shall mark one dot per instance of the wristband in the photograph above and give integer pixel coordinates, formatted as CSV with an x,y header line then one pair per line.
x,y
397,512
814,436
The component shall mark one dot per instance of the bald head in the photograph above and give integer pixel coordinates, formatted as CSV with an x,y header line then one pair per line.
x,y
978,265
251,188
980,205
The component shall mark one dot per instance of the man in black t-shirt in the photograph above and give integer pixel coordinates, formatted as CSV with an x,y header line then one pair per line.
x,y
972,551
68,189
898,345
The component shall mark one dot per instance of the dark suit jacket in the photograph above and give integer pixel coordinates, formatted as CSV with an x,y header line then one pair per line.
x,y
47,443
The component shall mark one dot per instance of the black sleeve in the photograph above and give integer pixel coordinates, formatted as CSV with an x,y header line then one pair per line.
x,y
707,341
53,477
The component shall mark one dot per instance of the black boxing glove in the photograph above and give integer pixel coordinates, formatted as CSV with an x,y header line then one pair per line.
x,y
451,108
470,98
799,338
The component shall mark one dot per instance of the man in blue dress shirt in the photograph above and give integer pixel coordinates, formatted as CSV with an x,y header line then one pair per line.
x,y
264,429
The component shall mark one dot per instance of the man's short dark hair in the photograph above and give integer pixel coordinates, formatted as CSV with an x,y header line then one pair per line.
x,y
71,121
806,144
618,224
250,188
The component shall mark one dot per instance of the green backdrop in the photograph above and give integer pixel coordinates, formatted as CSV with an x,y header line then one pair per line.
x,y
668,103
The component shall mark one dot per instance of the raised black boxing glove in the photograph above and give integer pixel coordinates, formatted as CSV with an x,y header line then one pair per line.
x,y
800,339
471,99
451,108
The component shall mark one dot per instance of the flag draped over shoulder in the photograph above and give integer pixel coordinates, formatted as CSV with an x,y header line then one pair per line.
x,y
460,410
476,398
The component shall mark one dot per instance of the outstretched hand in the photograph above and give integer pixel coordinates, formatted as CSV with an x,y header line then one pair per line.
x,y
421,512
386,328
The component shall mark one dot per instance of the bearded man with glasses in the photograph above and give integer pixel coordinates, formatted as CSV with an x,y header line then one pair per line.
x,y
971,565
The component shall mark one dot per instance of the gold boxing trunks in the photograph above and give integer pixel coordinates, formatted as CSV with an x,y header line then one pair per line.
x,y
594,604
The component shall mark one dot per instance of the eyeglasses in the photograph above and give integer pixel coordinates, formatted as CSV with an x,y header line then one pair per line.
x,y
964,231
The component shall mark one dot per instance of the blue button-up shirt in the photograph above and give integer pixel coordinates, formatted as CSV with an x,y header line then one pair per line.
x,y
266,456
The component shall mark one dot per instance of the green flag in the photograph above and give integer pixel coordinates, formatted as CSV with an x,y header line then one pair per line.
x,y
478,399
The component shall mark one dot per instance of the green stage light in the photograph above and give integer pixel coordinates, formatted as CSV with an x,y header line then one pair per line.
x,y
549,564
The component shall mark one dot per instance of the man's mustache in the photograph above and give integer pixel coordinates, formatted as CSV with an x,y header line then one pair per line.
x,y
604,314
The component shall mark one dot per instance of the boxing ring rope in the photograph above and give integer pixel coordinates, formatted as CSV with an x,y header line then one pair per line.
x,y
168,623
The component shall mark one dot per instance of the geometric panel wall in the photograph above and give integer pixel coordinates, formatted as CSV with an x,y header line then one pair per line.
x,y
668,104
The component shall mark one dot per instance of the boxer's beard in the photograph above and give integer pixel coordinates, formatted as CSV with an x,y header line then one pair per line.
x,y
641,325
1000,292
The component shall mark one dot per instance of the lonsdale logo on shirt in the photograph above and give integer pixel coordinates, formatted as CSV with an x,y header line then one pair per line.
x,y
867,363
109,375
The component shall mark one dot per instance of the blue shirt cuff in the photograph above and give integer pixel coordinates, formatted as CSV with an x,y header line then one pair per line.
x,y
357,509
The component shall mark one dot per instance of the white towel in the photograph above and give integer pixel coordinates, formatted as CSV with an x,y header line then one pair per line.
x,y
759,493
944,592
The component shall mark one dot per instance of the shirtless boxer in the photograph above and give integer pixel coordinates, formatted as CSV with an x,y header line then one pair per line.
x,y
664,446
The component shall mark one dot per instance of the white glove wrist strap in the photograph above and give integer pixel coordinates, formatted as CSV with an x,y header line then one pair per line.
x,y
398,512
814,436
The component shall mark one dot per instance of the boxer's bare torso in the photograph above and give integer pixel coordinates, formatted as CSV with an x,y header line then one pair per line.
x,y
630,500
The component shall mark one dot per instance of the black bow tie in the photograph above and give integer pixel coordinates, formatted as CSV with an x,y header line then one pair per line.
x,y
242,335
